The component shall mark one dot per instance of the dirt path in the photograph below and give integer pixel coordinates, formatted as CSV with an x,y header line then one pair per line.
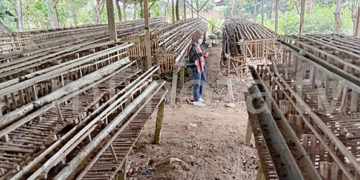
x,y
199,142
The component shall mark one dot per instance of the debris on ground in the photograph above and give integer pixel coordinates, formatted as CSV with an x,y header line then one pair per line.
x,y
231,105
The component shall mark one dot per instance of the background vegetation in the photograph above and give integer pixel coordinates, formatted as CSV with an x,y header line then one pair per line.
x,y
319,16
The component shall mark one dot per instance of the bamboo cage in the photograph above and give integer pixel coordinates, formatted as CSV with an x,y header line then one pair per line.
x,y
15,42
172,44
138,39
246,41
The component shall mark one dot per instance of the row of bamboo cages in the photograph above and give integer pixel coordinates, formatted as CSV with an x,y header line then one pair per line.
x,y
246,41
167,42
316,88
19,41
81,104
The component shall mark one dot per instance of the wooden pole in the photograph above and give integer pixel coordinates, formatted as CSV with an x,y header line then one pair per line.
x,y
276,15
173,86
19,15
147,36
197,7
118,9
357,30
111,20
262,12
173,11
354,94
301,28
248,133
260,173
159,120
122,175
192,10
184,9
177,10
182,76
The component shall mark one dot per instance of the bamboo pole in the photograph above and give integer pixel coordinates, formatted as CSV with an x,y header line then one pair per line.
x,y
122,175
67,172
184,9
357,30
159,120
354,94
147,36
301,28
182,77
111,19
276,15
262,12
197,7
173,87
173,11
192,10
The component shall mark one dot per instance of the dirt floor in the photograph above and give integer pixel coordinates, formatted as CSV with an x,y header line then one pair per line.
x,y
199,142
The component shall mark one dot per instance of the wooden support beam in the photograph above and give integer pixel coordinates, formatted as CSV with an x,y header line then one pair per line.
x,y
357,30
249,133
182,77
354,101
254,12
302,14
192,9
159,120
112,152
184,9
260,173
111,19
262,12
173,87
276,15
19,15
61,118
122,175
230,89
172,11
147,36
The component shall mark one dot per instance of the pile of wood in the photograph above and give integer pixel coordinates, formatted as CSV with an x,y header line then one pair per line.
x,y
244,40
82,105
315,108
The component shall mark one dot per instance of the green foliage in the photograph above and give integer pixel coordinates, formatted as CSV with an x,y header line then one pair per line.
x,y
320,21
7,16
214,24
208,6
79,12
157,9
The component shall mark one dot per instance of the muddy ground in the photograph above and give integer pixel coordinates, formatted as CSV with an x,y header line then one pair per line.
x,y
199,142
